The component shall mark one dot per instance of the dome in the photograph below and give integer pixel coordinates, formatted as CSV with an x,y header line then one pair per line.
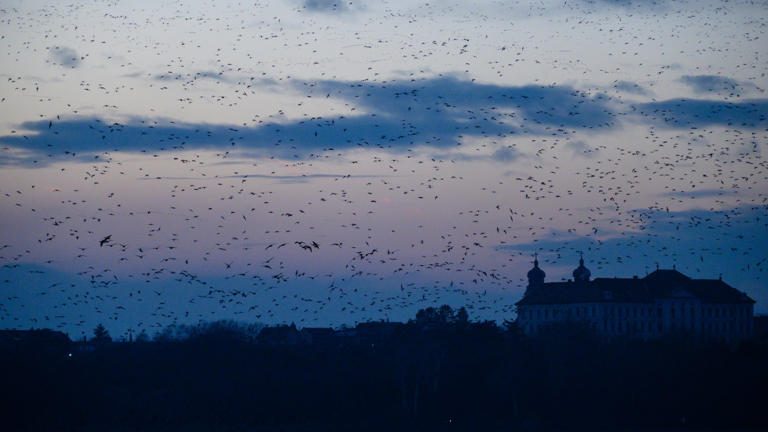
x,y
536,275
581,274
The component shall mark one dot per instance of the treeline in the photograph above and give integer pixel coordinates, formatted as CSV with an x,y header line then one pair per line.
x,y
440,371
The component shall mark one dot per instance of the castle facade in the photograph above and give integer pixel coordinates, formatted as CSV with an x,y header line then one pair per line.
x,y
663,303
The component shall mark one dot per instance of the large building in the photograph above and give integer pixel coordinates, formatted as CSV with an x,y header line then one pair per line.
x,y
665,302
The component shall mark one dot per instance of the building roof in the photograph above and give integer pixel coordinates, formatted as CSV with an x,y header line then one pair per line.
x,y
661,284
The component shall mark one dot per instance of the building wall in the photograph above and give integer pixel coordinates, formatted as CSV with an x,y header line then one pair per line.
x,y
683,316
728,321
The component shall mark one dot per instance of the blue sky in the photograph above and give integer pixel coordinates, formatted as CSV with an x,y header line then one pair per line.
x,y
427,148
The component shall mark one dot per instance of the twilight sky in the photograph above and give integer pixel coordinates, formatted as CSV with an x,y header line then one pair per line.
x,y
428,149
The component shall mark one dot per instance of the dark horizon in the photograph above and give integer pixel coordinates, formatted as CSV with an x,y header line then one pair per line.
x,y
327,162
439,371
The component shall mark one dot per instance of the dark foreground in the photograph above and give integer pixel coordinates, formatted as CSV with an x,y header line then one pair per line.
x,y
430,374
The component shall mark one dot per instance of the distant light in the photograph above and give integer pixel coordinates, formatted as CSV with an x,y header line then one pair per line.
x,y
69,355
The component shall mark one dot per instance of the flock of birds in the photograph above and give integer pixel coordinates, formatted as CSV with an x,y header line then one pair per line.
x,y
364,193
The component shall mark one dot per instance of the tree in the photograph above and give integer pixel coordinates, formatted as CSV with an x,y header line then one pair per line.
x,y
462,317
142,337
425,316
441,316
101,336
445,314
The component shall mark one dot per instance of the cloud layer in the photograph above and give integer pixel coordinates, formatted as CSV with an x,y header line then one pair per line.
x,y
65,57
394,116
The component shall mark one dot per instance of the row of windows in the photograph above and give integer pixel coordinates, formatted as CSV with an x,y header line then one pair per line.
x,y
551,313
632,311
654,327
589,312
726,311
623,327
731,311
727,327
680,310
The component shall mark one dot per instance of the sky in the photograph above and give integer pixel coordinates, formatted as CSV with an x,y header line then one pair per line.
x,y
325,163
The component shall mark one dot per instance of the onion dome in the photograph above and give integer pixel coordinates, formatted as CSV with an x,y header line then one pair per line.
x,y
536,275
581,274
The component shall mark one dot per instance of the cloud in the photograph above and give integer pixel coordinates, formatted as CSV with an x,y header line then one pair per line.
x,y
581,148
683,113
190,78
36,295
506,154
702,193
393,116
65,57
469,107
631,88
717,84
301,178
629,3
325,5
